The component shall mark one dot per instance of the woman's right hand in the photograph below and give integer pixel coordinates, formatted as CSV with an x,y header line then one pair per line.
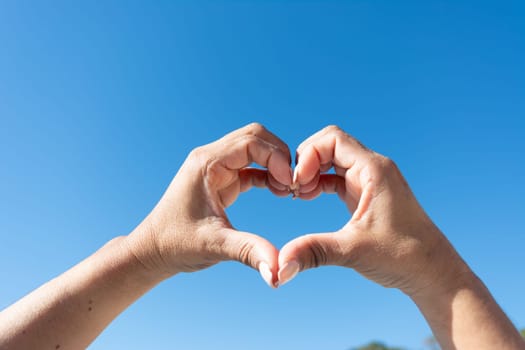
x,y
389,238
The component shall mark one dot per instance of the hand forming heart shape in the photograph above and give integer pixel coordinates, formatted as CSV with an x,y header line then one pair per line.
x,y
389,238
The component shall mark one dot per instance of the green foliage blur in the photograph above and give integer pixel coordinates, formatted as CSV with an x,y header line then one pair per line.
x,y
376,346
430,343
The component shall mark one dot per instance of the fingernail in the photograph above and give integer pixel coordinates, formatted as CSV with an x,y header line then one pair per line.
x,y
288,272
266,274
294,187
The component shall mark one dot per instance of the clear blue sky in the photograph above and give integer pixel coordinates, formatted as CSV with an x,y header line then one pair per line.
x,y
101,101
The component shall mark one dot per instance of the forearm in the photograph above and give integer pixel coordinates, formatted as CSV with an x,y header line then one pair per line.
x,y
70,311
464,315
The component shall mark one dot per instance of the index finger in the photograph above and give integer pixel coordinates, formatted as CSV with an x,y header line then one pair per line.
x,y
243,147
258,130
331,145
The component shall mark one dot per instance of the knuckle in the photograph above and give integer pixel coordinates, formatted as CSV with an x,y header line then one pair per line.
x,y
245,254
317,254
198,158
332,129
375,167
203,163
255,128
388,165
381,166
196,153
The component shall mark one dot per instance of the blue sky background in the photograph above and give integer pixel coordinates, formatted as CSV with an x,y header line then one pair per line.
x,y
101,101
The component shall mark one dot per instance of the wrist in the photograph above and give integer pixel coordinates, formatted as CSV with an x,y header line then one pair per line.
x,y
444,275
447,285
144,256
444,272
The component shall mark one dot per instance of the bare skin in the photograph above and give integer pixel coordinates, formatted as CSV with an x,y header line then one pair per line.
x,y
389,240
187,231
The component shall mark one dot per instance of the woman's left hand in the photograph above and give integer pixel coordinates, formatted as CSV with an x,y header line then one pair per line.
x,y
188,230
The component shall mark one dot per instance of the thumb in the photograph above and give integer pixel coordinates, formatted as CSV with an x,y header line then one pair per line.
x,y
307,252
251,250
